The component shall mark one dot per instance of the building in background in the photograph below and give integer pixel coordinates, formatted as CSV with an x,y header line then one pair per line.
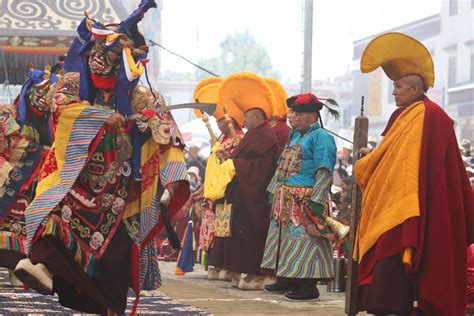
x,y
449,37
38,31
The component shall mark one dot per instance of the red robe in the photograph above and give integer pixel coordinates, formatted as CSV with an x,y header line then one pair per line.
x,y
281,130
255,161
440,235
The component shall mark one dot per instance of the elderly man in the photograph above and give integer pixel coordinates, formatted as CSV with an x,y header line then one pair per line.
x,y
254,162
298,247
417,209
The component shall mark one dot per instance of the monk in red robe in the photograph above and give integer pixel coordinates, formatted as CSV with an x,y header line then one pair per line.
x,y
253,163
417,209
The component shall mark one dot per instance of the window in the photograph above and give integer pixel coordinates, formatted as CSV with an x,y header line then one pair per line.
x,y
453,7
452,71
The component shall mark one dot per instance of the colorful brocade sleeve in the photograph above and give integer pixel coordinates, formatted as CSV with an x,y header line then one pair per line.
x,y
322,186
272,186
172,166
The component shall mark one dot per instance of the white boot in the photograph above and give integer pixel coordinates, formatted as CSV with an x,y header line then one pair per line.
x,y
213,273
251,282
35,276
236,276
14,281
224,275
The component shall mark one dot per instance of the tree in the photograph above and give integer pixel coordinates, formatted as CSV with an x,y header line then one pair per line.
x,y
240,52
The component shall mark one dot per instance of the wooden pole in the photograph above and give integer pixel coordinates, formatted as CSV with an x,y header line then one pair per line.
x,y
361,131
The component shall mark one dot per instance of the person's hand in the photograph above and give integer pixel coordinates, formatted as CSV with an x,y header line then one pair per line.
x,y
117,121
364,151
222,154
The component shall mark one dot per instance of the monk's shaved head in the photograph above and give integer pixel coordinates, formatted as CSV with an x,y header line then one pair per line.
x,y
414,81
408,89
253,118
257,112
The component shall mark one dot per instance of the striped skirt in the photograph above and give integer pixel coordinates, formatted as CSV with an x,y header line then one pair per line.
x,y
292,253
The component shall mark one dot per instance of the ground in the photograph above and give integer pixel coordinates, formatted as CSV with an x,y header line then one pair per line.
x,y
191,294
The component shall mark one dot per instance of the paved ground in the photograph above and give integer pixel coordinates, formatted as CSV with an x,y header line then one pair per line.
x,y
17,301
191,294
219,298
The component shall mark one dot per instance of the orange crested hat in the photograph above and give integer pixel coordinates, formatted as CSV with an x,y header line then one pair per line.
x,y
247,91
399,55
280,97
206,91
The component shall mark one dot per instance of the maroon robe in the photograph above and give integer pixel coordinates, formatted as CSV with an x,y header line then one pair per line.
x,y
281,130
440,235
255,161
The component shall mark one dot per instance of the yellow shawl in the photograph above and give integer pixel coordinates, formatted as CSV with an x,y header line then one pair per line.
x,y
389,179
218,175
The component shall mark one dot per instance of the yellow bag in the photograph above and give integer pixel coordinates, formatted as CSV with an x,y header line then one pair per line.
x,y
218,175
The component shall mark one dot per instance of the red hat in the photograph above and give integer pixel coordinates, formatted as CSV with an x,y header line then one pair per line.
x,y
305,102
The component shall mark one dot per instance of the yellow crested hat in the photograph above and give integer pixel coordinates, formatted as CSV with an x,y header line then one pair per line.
x,y
205,82
280,97
399,55
247,91
207,92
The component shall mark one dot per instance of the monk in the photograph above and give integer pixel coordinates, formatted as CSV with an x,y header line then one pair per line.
x,y
417,209
255,162
206,91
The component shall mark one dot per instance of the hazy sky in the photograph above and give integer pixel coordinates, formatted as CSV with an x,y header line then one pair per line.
x,y
194,28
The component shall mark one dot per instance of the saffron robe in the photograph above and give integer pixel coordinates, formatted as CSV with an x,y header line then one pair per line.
x,y
445,205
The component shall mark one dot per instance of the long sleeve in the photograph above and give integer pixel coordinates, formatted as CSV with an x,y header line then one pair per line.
x,y
322,186
172,166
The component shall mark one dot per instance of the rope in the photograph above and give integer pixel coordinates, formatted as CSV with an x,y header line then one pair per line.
x,y
182,57
153,43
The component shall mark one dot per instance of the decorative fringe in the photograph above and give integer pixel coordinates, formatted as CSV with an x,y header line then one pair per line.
x,y
11,241
84,258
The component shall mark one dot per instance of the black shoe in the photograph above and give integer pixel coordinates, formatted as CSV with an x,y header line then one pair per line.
x,y
303,295
280,287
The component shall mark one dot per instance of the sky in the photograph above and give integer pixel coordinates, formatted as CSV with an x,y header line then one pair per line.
x,y
195,28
